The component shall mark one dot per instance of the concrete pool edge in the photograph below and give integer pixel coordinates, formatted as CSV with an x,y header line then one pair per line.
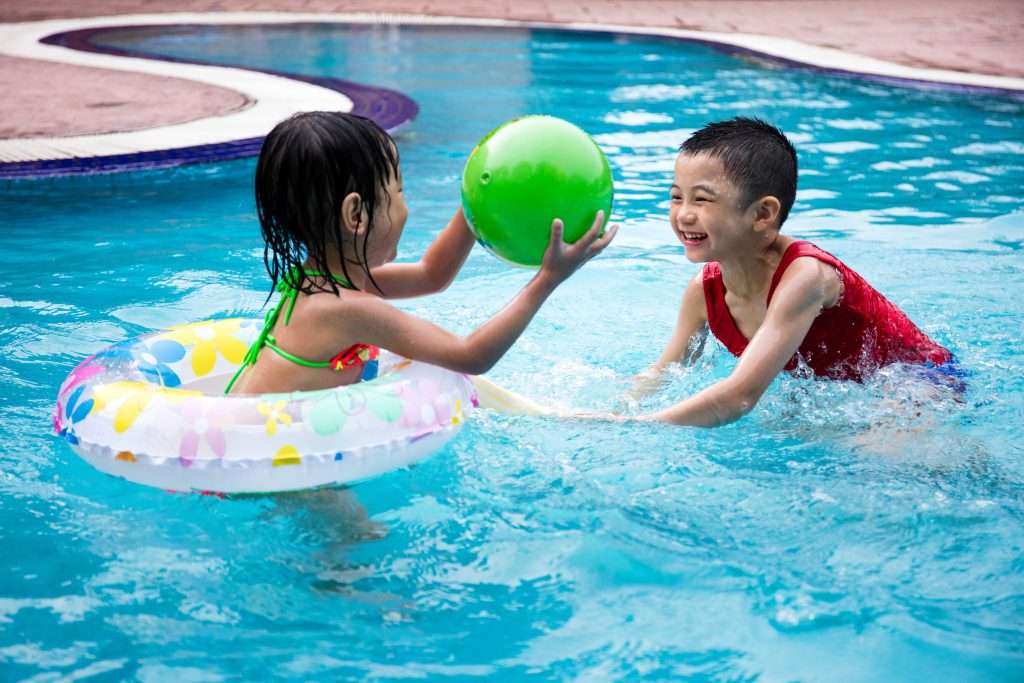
x,y
238,134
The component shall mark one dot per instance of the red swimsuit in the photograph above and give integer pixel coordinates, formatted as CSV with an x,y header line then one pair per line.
x,y
862,332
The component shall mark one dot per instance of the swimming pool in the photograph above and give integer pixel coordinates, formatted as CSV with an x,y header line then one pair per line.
x,y
784,547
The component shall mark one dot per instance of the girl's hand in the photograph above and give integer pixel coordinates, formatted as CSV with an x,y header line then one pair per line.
x,y
562,260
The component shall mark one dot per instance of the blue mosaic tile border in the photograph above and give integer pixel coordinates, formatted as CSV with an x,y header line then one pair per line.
x,y
389,108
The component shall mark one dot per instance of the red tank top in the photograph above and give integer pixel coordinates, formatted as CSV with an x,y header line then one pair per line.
x,y
862,332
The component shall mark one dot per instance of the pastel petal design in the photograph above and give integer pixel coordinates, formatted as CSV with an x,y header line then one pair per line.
x,y
275,413
160,374
231,348
167,351
204,356
187,448
208,339
106,394
69,407
327,417
82,411
136,396
215,438
73,413
386,406
130,410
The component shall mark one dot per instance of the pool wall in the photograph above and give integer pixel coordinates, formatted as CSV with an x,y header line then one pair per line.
x,y
276,95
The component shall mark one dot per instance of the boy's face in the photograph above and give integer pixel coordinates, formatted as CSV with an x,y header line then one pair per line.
x,y
707,211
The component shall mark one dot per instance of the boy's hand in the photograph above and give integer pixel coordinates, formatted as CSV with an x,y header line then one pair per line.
x,y
562,260
645,383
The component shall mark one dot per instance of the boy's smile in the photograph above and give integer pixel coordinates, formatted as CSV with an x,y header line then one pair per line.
x,y
705,209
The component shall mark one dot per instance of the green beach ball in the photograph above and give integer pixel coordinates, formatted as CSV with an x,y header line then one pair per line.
x,y
524,174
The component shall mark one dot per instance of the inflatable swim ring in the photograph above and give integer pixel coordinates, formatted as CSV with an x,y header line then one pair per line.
x,y
151,410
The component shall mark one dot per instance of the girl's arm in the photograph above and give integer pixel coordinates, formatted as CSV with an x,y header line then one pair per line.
x,y
435,271
686,343
807,287
382,324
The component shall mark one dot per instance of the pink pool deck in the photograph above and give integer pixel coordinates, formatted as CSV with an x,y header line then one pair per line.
x,y
59,100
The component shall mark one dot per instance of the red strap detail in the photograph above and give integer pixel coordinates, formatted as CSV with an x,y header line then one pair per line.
x,y
720,321
357,354
793,252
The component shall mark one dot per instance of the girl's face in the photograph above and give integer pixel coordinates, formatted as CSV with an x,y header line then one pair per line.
x,y
388,222
389,216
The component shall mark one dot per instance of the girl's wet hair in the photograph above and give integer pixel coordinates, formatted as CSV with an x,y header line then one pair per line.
x,y
307,166
758,158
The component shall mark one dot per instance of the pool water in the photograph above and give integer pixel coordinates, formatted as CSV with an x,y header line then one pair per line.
x,y
839,532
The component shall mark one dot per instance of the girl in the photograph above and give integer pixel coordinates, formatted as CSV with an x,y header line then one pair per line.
x,y
330,205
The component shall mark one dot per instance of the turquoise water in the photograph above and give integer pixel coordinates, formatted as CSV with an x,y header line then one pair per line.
x,y
839,532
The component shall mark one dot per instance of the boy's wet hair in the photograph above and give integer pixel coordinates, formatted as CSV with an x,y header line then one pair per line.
x,y
757,157
307,165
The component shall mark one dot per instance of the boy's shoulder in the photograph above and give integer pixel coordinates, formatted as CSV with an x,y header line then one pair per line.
x,y
693,303
809,275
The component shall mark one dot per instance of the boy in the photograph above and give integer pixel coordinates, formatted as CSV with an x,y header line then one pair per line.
x,y
770,299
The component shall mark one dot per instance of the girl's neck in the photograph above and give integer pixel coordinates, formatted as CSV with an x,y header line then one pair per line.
x,y
356,274
749,275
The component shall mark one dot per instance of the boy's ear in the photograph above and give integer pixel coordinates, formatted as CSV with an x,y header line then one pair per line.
x,y
766,213
352,213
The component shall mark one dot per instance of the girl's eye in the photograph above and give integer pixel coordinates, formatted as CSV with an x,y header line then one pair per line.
x,y
701,199
676,198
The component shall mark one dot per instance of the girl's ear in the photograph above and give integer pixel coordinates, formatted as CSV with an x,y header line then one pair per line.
x,y
352,219
766,213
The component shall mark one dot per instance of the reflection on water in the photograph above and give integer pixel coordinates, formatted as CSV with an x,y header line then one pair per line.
x,y
836,519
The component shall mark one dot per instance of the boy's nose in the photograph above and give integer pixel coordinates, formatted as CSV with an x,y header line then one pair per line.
x,y
687,217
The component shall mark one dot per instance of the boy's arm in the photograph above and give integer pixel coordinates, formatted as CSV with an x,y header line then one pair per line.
x,y
685,343
435,271
807,287
384,325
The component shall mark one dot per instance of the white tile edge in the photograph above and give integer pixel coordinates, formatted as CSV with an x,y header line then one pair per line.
x,y
275,98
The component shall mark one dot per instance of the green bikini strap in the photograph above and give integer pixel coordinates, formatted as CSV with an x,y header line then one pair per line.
x,y
289,292
271,344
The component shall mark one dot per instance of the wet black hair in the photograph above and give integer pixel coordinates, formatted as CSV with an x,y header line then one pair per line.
x,y
758,158
307,166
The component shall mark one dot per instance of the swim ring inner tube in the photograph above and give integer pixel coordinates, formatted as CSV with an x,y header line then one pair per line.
x,y
152,410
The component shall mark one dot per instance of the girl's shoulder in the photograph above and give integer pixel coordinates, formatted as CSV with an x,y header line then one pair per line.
x,y
329,304
356,307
